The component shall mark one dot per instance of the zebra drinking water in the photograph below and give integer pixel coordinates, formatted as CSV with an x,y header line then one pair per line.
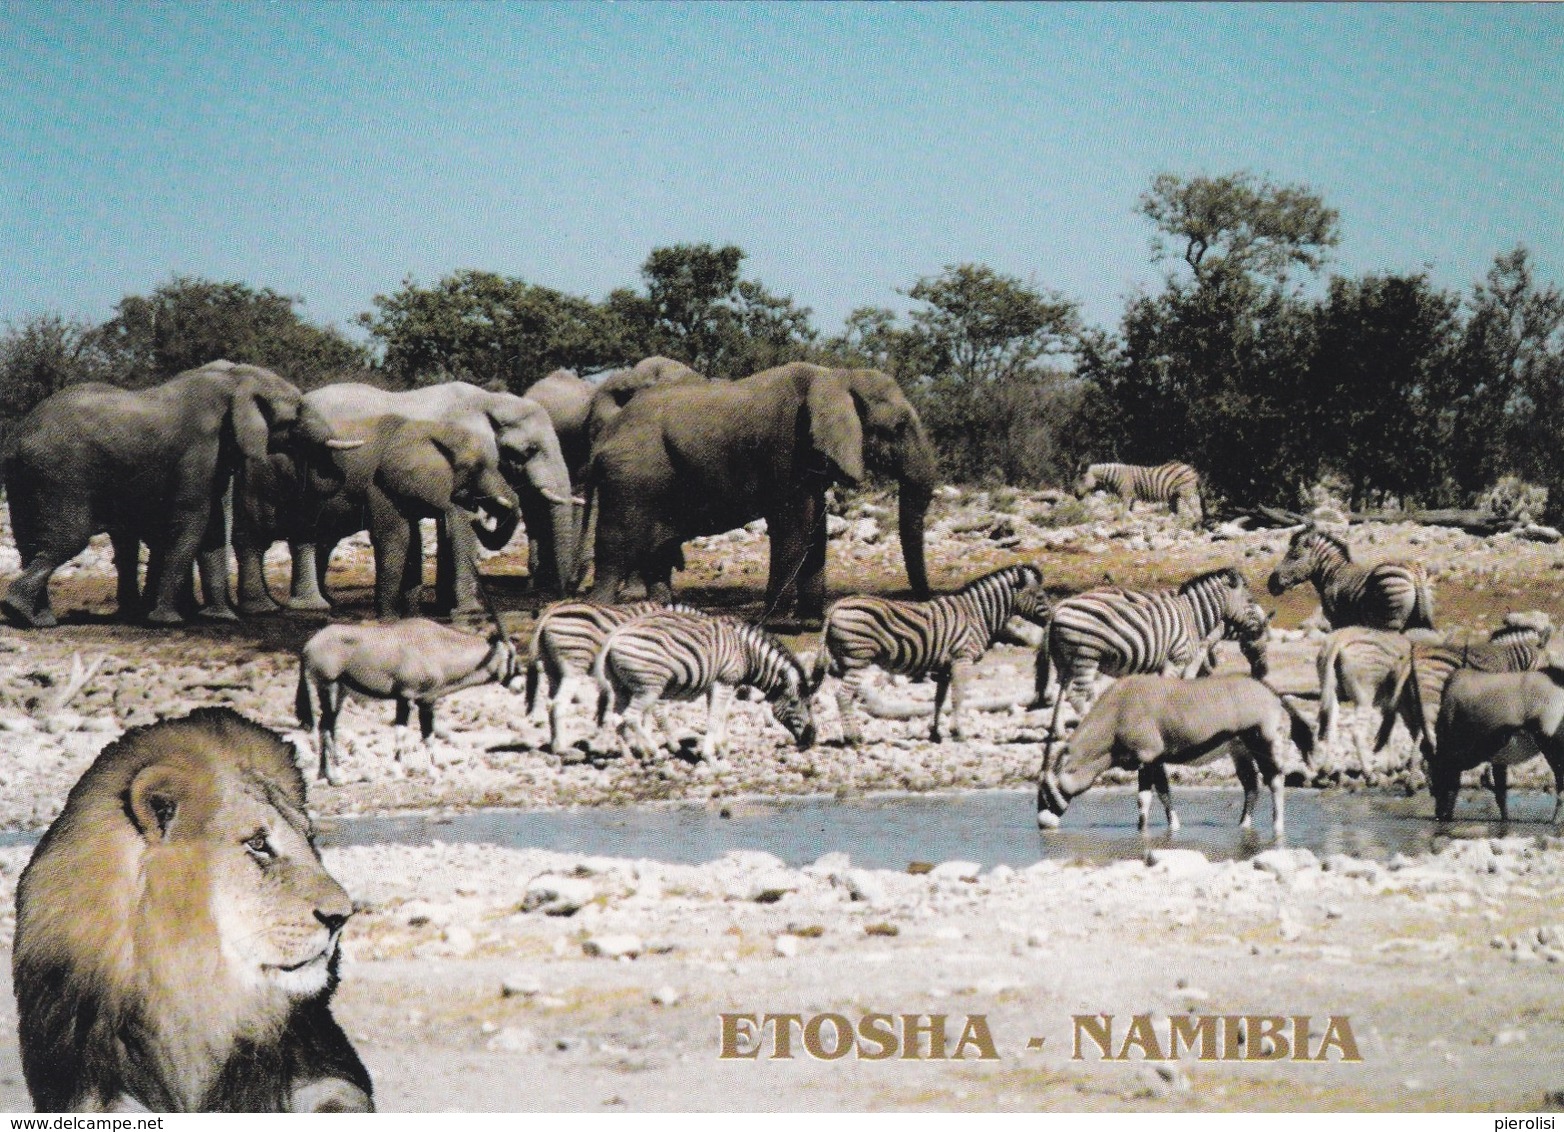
x,y
1390,595
679,654
564,645
1118,632
941,638
1175,484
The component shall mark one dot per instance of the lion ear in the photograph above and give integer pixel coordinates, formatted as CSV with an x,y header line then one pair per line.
x,y
156,795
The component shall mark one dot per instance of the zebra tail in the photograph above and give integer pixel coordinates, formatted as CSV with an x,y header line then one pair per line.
x,y
1406,689
302,707
1328,686
822,664
533,679
605,690
1423,608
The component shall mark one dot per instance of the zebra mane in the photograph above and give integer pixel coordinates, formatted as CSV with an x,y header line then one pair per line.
x,y
1228,574
1014,569
1509,634
757,635
1320,532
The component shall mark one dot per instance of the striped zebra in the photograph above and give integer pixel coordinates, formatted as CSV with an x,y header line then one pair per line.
x,y
1421,680
564,645
680,654
1175,484
1118,632
1390,595
941,638
1365,664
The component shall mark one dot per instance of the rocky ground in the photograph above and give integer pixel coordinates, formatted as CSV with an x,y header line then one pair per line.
x,y
471,981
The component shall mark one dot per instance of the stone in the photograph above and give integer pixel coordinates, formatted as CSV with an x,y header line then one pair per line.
x,y
520,986
1179,862
513,1039
665,996
787,946
613,946
956,870
865,886
557,895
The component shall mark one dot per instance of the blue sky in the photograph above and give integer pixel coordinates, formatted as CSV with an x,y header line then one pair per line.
x,y
330,150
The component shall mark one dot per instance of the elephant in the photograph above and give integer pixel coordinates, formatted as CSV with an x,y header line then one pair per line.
x,y
412,470
581,410
694,459
515,434
148,466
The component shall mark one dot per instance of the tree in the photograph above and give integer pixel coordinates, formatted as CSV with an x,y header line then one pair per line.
x,y
1240,223
43,355
977,361
697,309
1506,400
188,322
1378,382
481,327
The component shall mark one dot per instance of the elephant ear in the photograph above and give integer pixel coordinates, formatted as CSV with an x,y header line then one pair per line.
x,y
834,426
458,446
249,425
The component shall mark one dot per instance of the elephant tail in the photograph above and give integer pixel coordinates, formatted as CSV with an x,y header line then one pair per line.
x,y
302,707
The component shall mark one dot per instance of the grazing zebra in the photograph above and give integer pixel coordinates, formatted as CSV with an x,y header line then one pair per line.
x,y
564,645
1175,484
941,638
1391,595
679,654
1117,632
1422,678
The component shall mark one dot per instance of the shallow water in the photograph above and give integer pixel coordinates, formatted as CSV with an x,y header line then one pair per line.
x,y
991,827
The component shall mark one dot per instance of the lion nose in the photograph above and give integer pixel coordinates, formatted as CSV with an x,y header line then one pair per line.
x,y
332,920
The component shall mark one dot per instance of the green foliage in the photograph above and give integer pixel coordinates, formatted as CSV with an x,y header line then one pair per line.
x,y
1238,223
697,309
485,328
43,355
1379,385
978,360
188,322
1065,513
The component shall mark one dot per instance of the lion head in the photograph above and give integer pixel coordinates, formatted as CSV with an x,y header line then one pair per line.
x,y
176,932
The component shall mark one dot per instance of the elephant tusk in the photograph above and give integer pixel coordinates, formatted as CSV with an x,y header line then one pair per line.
x,y
344,445
555,497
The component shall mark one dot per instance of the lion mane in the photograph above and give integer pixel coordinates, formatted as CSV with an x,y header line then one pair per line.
x,y
176,933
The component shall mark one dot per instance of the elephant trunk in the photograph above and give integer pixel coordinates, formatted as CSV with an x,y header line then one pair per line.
x,y
912,506
552,484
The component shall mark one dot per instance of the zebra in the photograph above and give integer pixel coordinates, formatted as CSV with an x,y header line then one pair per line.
x,y
1422,678
1118,632
1175,484
941,638
1390,595
680,654
1365,664
564,645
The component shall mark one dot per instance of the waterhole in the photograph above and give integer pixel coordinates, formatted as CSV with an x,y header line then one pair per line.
x,y
992,827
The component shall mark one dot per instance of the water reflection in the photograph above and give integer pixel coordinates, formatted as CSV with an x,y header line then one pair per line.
x,y
992,827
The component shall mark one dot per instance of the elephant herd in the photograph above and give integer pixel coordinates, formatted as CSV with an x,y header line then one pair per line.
x,y
229,459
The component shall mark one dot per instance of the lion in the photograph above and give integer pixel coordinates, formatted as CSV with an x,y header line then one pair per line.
x,y
176,934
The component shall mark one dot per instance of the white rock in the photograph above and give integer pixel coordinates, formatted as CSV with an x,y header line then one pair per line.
x,y
1180,862
62,722
520,986
458,939
865,886
557,895
513,1039
665,996
956,870
17,723
613,946
786,946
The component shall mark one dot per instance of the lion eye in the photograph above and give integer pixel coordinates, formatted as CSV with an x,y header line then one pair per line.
x,y
260,847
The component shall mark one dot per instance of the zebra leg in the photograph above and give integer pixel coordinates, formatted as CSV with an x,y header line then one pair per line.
x,y
848,694
960,674
1501,789
941,686
556,712
632,726
718,701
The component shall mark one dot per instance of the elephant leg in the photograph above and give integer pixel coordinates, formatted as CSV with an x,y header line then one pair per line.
x,y
621,538
27,599
127,572
460,592
254,596
447,563
797,572
176,577
398,546
212,556
305,591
